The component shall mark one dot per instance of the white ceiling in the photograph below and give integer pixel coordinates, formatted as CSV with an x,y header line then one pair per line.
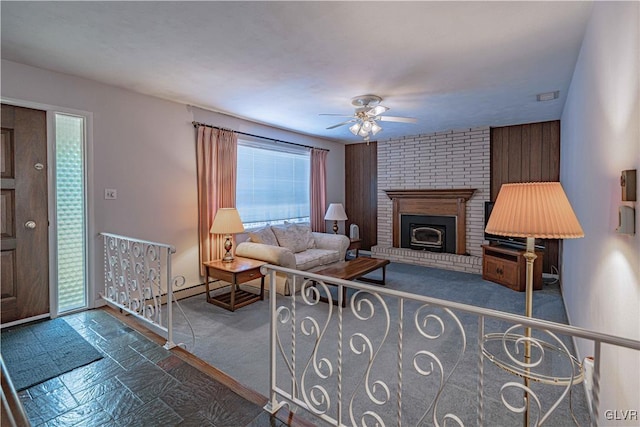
x,y
451,65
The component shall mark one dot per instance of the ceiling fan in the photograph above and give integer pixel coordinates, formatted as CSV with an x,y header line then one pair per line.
x,y
367,114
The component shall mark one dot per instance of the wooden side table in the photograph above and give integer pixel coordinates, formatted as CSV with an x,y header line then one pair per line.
x,y
240,270
354,245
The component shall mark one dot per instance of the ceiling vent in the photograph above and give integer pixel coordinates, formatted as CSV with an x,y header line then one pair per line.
x,y
548,96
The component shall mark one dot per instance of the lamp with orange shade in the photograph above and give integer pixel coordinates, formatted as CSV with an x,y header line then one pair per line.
x,y
533,210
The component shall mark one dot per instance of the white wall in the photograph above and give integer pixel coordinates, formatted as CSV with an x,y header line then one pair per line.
x,y
145,148
600,138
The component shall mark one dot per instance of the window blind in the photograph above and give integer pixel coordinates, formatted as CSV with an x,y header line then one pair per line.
x,y
272,184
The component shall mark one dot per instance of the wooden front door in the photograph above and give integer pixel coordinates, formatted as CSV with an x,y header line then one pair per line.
x,y
24,219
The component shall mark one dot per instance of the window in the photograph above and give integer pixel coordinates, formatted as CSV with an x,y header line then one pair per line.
x,y
70,211
272,184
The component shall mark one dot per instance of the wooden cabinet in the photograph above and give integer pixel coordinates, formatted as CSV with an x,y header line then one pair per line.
x,y
354,245
507,266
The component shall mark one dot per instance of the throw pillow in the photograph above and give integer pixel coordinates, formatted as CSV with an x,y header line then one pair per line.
x,y
290,236
263,235
305,228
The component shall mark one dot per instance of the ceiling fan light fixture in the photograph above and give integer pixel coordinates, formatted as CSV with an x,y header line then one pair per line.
x,y
355,129
367,113
375,128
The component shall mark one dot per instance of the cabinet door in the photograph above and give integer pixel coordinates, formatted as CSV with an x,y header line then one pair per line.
x,y
510,275
491,268
500,271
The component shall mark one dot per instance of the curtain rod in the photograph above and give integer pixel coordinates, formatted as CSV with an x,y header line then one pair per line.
x,y
196,124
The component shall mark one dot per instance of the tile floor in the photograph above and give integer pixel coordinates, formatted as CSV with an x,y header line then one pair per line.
x,y
137,383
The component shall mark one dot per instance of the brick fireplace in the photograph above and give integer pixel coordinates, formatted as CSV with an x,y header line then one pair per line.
x,y
434,174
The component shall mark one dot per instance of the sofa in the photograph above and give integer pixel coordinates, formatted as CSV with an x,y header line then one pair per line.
x,y
292,246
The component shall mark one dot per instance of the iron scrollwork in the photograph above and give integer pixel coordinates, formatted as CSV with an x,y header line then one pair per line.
x,y
133,276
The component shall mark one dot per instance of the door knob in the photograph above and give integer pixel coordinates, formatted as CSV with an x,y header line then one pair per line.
x,y
30,224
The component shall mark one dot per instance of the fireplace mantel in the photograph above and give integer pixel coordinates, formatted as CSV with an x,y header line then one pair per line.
x,y
446,202
448,193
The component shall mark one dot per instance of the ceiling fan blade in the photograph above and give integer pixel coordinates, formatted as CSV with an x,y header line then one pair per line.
x,y
376,111
341,124
396,119
337,115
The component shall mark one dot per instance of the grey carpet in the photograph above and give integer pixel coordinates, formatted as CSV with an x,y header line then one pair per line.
x,y
37,352
238,344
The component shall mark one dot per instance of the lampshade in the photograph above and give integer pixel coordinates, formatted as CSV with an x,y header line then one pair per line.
x,y
534,209
336,212
375,128
227,221
355,128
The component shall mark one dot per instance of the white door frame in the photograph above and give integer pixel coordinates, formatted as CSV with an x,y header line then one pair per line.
x,y
51,110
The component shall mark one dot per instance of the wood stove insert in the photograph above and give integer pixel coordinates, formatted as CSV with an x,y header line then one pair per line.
x,y
437,202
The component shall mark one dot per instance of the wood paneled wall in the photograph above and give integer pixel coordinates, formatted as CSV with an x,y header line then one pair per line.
x,y
524,153
361,190
527,153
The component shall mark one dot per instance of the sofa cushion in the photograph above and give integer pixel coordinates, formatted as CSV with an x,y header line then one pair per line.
x,y
308,235
292,236
263,235
311,258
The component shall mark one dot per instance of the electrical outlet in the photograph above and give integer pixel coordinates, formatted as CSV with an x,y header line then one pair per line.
x,y
110,194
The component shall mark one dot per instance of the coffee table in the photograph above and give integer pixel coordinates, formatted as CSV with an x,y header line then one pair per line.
x,y
352,270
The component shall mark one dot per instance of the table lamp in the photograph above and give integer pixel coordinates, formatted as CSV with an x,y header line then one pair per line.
x,y
533,210
335,213
227,222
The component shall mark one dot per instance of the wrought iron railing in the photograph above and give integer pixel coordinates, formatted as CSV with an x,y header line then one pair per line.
x,y
395,358
133,281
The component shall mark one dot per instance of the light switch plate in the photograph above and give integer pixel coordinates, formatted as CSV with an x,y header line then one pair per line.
x,y
626,220
110,194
